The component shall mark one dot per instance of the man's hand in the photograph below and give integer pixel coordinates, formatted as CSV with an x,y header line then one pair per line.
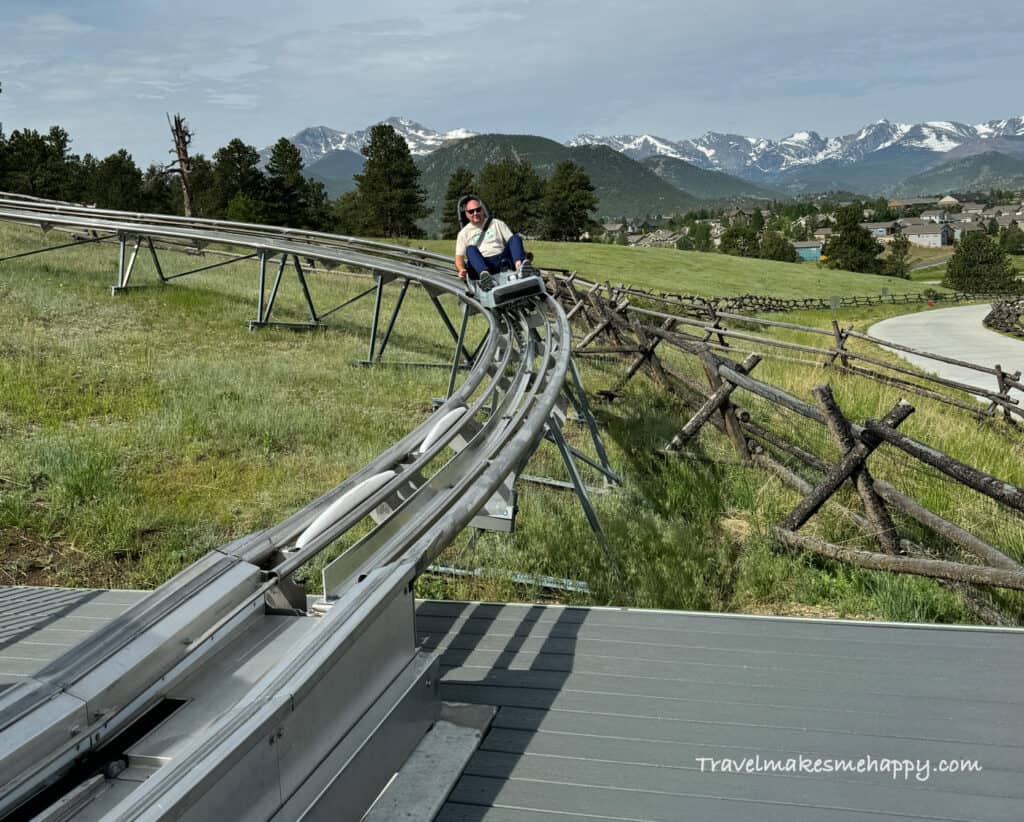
x,y
462,273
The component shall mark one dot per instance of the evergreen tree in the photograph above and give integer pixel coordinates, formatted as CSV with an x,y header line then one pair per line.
x,y
388,190
700,235
117,183
569,203
992,229
851,246
1011,239
459,185
201,182
757,221
287,188
740,240
897,263
513,191
776,247
157,194
236,173
979,265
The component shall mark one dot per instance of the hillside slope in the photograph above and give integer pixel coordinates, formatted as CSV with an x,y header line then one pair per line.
x,y
704,184
335,170
623,186
977,173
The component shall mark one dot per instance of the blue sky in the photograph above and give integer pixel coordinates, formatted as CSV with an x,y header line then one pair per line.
x,y
108,71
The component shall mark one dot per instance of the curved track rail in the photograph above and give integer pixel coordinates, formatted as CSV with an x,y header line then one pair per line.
x,y
73,709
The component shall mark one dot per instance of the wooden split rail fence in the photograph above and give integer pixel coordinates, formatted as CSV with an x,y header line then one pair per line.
x,y
712,327
703,306
610,326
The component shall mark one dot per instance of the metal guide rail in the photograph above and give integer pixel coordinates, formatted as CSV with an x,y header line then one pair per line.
x,y
222,694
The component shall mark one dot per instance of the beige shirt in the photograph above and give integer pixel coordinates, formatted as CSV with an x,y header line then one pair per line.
x,y
498,234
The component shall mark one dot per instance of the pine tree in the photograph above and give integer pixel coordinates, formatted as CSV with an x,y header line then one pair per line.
x,y
979,265
851,246
513,191
388,190
236,174
286,186
569,203
897,263
739,240
776,247
459,185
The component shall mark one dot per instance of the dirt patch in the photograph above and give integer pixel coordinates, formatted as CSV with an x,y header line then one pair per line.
x,y
798,609
25,559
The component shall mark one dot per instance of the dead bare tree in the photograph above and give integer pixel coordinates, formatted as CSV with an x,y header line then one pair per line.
x,y
182,135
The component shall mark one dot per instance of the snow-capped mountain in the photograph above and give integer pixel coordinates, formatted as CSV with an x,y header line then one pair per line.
x,y
313,143
736,153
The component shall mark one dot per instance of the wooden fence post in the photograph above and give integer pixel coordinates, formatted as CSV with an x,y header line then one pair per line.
x,y
732,425
714,403
844,469
873,505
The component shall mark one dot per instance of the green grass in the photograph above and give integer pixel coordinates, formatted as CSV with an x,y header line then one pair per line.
x,y
694,272
138,432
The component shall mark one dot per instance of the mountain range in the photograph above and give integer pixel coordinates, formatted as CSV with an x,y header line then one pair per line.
x,y
866,161
882,157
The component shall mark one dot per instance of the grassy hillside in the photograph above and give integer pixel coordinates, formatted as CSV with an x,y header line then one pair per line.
x,y
694,272
704,184
623,186
140,431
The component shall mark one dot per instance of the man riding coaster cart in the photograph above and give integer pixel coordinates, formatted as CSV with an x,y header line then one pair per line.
x,y
491,258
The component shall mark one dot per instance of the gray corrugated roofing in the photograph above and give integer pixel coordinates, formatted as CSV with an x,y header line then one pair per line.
x,y
605,713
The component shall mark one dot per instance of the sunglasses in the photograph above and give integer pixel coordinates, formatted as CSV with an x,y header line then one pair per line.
x,y
473,210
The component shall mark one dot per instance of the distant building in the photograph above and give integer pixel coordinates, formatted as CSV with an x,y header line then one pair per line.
x,y
822,233
971,208
809,250
937,215
884,231
910,221
965,227
930,236
948,200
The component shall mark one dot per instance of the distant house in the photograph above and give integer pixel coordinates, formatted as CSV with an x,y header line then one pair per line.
x,y
992,213
910,221
930,236
1008,221
884,231
948,200
937,215
822,233
809,250
965,227
971,208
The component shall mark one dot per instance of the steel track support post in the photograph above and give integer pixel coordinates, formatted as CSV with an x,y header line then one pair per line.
x,y
262,286
448,323
376,316
578,397
391,322
581,493
273,290
156,260
120,265
305,289
459,349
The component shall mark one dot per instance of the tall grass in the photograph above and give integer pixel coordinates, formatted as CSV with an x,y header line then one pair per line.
x,y
140,431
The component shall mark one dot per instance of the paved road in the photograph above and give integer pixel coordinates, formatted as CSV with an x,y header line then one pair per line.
x,y
954,332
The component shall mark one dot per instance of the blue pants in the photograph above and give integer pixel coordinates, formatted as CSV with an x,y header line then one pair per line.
x,y
507,259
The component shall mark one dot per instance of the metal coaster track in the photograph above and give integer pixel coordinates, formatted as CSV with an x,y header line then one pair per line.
x,y
339,667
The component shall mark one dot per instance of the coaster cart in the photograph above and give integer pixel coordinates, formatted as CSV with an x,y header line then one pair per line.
x,y
507,287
